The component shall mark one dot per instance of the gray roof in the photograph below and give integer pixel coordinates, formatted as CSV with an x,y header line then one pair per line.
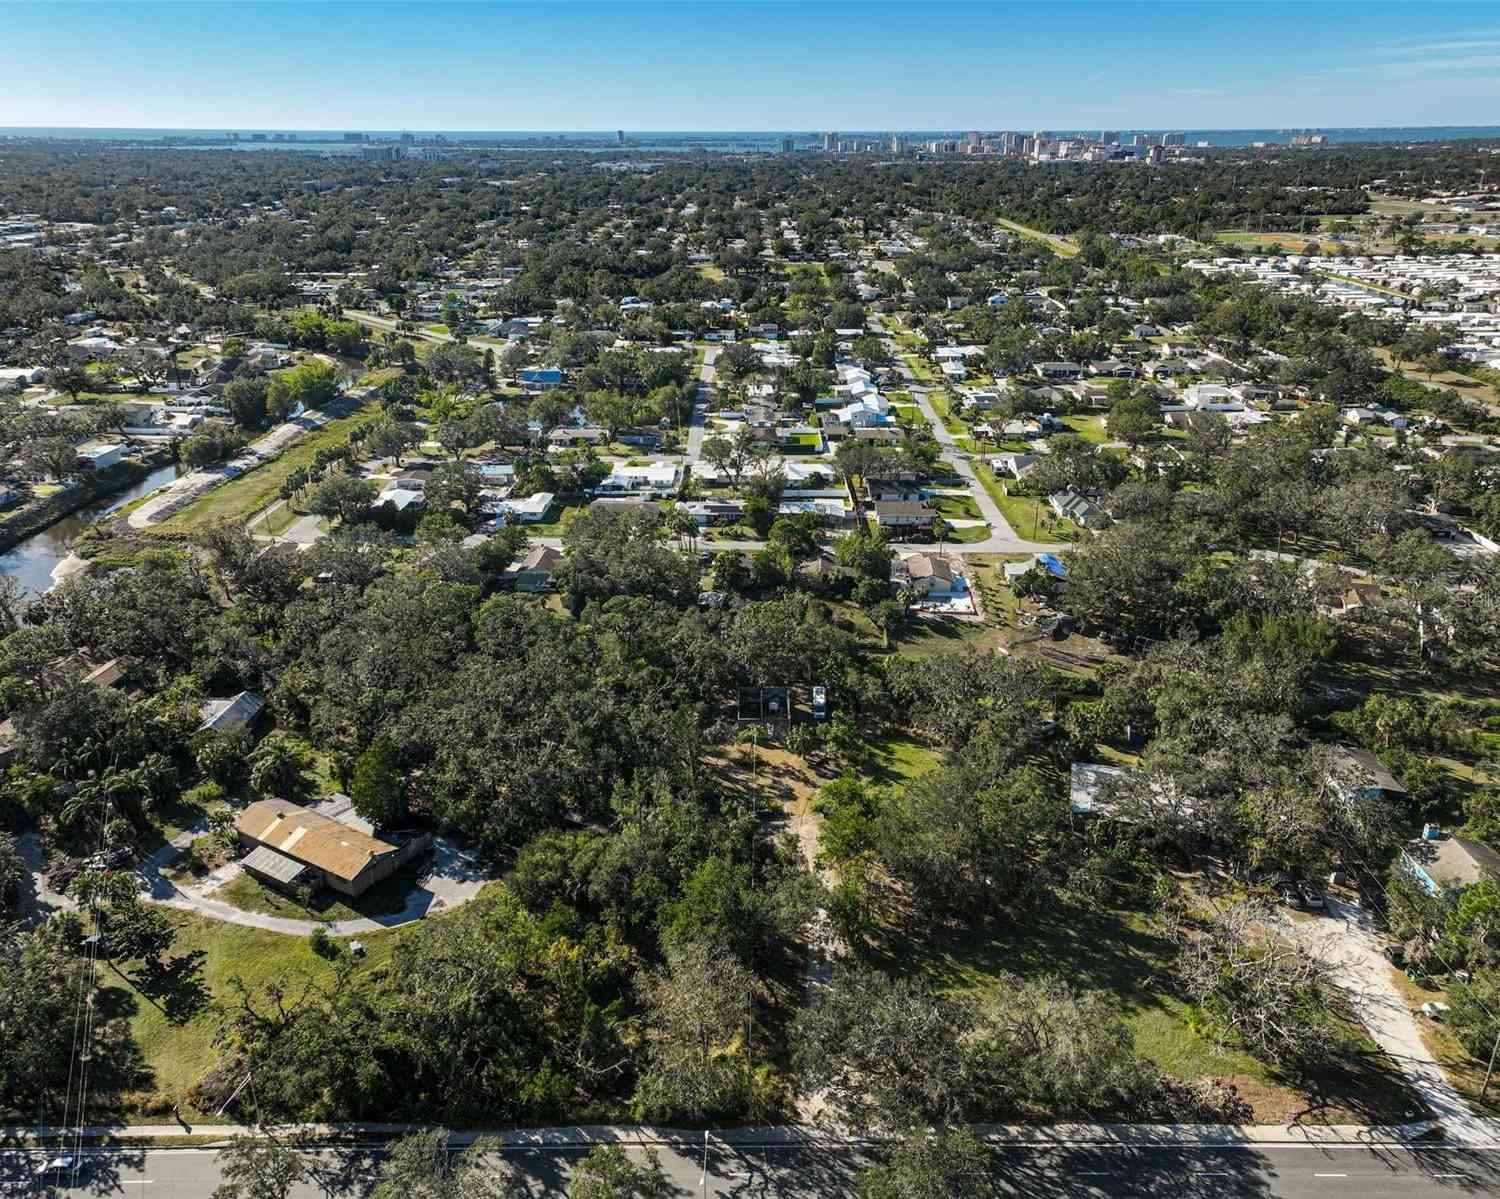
x,y
265,860
227,715
1453,860
1381,779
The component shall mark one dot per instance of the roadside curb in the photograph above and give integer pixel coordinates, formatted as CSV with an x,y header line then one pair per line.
x,y
1145,1136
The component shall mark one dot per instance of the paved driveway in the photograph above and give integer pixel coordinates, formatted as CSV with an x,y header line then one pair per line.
x,y
1351,945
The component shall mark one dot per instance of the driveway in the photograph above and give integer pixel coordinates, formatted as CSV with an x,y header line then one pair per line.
x,y
38,901
1351,946
454,877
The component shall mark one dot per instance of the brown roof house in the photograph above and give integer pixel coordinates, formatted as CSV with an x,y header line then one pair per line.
x,y
534,572
289,845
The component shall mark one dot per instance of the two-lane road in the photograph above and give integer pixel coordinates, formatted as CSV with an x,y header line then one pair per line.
x,y
831,1172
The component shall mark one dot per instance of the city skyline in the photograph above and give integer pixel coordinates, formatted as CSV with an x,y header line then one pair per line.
x,y
767,67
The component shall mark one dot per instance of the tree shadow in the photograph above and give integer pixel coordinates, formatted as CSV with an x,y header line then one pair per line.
x,y
94,1171
176,986
1357,1087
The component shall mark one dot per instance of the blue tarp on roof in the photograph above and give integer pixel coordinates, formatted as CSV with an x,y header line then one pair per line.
x,y
1054,565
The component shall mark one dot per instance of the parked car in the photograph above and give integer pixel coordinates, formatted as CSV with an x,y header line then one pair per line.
x,y
65,1161
1313,897
1290,894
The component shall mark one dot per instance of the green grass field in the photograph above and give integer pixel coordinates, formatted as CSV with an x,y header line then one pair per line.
x,y
1027,515
1062,246
241,498
170,1018
1090,428
961,507
383,899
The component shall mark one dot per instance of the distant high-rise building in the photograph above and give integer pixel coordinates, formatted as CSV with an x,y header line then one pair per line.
x,y
620,136
830,142
1042,135
786,145
898,144
1109,137
1174,139
1153,155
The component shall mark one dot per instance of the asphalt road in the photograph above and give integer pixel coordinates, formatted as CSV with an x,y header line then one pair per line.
x,y
821,1172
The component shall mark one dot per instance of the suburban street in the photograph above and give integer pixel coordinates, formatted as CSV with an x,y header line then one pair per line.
x,y
830,1171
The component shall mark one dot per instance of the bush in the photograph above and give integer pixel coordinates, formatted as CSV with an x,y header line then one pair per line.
x,y
322,944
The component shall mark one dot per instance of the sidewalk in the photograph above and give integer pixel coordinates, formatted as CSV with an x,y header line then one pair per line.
x,y
1119,1135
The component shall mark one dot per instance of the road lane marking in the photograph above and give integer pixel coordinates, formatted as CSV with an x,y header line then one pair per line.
x,y
1330,1176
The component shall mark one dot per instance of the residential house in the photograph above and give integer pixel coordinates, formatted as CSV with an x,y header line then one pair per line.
x,y
401,498
1361,775
1013,466
933,574
1051,563
526,511
1354,598
657,479
1079,510
1442,860
878,489
289,845
1059,370
232,714
534,572
100,455
577,435
904,516
544,378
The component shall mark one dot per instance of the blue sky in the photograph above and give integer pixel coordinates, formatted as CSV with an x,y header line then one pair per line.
x,y
724,66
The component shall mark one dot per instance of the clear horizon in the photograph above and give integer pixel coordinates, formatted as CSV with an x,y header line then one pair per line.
x,y
567,68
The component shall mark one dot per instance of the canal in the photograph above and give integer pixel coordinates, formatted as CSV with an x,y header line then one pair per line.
x,y
34,560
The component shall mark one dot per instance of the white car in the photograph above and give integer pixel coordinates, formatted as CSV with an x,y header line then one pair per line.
x,y
64,1162
1435,1010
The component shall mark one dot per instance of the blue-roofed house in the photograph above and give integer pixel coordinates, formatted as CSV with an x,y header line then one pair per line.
x,y
544,377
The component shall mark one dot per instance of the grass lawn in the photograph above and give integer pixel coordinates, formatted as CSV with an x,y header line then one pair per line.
x,y
1090,428
436,328
924,370
241,498
383,899
1124,955
966,535
944,409
1028,516
169,1016
558,519
961,507
939,635
898,758
1062,246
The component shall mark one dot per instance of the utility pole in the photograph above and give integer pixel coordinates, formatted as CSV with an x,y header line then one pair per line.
x,y
1490,1069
